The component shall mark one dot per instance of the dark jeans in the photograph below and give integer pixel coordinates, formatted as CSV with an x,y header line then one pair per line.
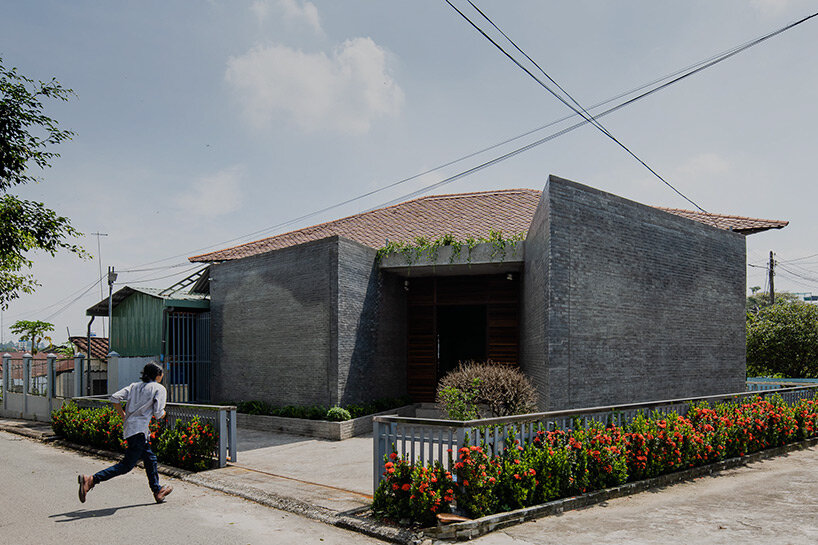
x,y
138,448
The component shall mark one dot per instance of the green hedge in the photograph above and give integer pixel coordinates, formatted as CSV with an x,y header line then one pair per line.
x,y
563,463
189,445
318,412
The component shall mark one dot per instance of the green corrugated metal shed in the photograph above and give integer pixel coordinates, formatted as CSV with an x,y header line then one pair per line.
x,y
136,328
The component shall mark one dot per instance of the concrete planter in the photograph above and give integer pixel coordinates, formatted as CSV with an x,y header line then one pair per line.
x,y
484,258
320,429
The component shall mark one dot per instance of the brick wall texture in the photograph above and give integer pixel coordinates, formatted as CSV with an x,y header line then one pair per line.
x,y
621,303
310,324
635,304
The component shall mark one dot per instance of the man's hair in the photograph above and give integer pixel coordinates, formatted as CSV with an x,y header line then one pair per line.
x,y
151,371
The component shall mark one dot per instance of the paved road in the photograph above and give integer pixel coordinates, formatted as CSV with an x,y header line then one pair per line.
x,y
771,502
39,506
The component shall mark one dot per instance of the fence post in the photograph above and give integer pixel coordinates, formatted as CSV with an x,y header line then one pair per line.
x,y
233,435
6,379
223,437
26,380
51,360
112,374
78,368
378,450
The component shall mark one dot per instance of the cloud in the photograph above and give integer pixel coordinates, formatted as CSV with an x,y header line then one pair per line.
x,y
703,166
342,92
213,195
260,9
306,13
770,7
293,11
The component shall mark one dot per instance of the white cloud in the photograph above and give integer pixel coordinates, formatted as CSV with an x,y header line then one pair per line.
x,y
342,92
306,13
770,7
702,167
292,11
260,9
213,195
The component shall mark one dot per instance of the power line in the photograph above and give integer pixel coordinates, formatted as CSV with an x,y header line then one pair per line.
x,y
676,77
578,109
73,301
143,280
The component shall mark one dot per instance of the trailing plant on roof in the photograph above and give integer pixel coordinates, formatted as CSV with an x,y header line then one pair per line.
x,y
422,248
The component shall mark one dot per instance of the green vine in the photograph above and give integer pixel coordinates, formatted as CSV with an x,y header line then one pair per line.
x,y
422,248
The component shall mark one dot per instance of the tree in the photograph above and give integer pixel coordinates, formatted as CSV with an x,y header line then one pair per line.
x,y
782,339
35,331
26,138
759,300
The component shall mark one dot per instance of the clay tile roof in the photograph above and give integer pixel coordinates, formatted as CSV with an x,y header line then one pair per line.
x,y
741,224
465,214
99,346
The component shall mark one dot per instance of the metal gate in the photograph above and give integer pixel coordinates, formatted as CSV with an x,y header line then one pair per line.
x,y
187,373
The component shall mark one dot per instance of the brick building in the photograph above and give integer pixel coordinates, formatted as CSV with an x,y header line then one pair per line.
x,y
605,301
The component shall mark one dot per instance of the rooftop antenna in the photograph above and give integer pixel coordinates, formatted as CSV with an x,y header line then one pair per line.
x,y
99,261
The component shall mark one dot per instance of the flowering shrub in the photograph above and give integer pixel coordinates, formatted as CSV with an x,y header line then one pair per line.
x,y
410,493
561,463
189,446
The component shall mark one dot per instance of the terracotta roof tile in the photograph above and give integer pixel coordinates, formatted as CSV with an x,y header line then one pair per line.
x,y
99,346
465,214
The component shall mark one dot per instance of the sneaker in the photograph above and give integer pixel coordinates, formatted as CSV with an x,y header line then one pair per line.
x,y
160,494
86,483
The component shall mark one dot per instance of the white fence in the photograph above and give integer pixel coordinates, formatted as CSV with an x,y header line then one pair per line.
x,y
221,417
423,441
31,390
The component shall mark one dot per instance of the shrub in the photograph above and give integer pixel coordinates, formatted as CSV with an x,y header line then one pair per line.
x,y
317,412
504,389
190,445
782,339
561,463
337,414
459,404
413,493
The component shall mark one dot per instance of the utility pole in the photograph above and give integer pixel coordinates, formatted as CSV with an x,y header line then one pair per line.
x,y
111,280
99,262
772,275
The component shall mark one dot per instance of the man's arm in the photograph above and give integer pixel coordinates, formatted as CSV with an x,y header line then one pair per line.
x,y
119,410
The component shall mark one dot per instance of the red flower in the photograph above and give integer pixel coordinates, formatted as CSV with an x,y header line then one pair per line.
x,y
406,487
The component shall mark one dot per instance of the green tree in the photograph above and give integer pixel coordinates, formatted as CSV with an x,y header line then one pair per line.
x,y
782,339
35,331
761,299
26,139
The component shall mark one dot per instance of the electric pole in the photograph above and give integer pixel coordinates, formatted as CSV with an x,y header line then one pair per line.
x,y
772,275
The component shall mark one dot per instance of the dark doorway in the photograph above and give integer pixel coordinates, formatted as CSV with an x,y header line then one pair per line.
x,y
461,336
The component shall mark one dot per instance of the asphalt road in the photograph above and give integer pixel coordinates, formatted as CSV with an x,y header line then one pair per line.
x,y
39,506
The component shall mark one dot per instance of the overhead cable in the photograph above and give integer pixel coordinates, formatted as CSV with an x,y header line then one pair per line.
x,y
675,77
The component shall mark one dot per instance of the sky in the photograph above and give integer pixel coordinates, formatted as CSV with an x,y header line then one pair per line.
x,y
203,124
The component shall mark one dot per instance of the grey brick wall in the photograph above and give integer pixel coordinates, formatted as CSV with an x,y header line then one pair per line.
x,y
639,304
271,329
311,324
371,317
534,301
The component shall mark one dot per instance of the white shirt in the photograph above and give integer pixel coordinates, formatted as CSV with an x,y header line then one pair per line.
x,y
143,400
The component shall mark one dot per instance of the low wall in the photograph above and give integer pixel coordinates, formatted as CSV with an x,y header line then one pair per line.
x,y
320,429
